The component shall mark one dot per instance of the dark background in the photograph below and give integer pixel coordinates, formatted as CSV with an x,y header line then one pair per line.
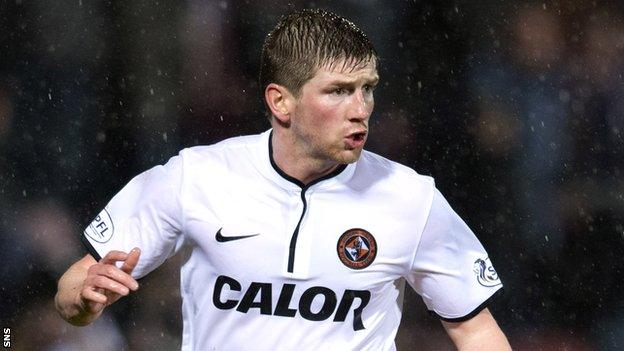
x,y
515,108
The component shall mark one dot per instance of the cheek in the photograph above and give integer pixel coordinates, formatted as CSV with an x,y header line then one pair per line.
x,y
370,103
325,113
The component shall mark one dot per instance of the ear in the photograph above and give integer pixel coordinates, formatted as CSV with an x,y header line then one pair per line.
x,y
280,101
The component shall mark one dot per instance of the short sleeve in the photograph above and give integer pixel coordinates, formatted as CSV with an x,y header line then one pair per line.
x,y
451,270
146,213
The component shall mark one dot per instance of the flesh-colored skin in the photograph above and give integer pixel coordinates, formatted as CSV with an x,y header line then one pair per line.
x,y
88,286
480,333
314,132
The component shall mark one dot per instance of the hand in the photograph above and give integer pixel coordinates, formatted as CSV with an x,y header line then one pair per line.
x,y
105,283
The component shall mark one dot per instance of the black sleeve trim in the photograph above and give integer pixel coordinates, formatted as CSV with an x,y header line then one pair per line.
x,y
90,248
476,311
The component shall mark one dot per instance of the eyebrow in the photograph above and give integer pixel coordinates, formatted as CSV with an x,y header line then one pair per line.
x,y
345,82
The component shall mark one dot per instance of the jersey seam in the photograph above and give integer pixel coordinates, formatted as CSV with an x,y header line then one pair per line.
x,y
180,196
482,305
422,231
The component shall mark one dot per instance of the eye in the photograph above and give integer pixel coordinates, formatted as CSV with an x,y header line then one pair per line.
x,y
339,91
369,88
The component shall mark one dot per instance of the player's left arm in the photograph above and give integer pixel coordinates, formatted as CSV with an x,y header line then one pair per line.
x,y
480,332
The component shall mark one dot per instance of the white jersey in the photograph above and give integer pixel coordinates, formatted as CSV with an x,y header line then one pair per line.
x,y
276,265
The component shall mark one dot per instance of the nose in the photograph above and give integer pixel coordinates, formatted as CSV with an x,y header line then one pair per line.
x,y
362,106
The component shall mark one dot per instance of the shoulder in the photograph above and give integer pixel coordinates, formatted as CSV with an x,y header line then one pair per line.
x,y
378,176
375,166
223,149
220,161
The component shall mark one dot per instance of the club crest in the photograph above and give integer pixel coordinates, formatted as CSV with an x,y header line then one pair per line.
x,y
485,272
357,248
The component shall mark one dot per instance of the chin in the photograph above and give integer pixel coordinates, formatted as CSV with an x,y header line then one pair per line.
x,y
348,156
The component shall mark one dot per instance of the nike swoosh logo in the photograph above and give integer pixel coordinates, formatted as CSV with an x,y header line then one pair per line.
x,y
220,238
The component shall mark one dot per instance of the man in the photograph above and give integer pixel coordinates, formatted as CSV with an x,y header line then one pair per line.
x,y
300,240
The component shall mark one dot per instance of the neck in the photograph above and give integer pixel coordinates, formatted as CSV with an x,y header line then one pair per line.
x,y
293,160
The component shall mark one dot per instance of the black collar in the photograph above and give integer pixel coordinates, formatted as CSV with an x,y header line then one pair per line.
x,y
294,180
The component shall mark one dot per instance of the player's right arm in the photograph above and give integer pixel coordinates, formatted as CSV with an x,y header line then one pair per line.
x,y
146,213
88,286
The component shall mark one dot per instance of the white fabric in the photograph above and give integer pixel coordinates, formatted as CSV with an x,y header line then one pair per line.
x,y
444,261
232,186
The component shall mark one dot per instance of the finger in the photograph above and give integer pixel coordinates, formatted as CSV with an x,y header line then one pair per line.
x,y
131,261
116,274
89,295
114,256
110,285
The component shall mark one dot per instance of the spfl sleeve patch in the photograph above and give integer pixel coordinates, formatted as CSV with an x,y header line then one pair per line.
x,y
101,229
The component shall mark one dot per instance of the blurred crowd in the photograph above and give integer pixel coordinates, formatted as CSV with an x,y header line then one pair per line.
x,y
515,108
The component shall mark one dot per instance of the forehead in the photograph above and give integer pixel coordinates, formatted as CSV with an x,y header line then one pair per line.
x,y
347,70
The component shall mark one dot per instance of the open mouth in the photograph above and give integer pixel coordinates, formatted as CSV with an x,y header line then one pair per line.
x,y
358,136
356,140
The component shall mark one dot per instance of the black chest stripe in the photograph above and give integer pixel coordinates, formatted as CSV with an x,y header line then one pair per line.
x,y
293,240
